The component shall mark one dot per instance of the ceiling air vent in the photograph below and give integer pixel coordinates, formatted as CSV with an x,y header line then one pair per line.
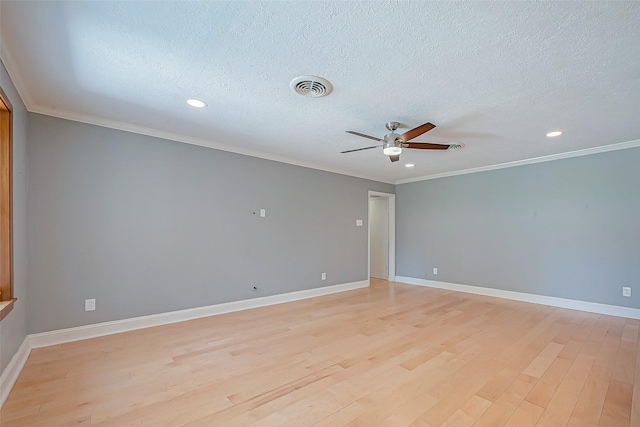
x,y
311,86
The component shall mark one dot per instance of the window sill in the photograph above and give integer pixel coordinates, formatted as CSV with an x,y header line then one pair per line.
x,y
6,307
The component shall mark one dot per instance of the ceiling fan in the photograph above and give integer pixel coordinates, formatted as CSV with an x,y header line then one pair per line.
x,y
393,143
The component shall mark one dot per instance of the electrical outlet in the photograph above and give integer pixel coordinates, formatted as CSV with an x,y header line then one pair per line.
x,y
435,270
89,304
626,291
324,276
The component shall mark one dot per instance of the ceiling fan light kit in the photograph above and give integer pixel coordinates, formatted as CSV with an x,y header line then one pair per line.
x,y
391,150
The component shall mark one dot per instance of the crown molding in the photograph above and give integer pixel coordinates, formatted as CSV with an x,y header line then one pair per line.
x,y
202,142
542,159
33,107
15,77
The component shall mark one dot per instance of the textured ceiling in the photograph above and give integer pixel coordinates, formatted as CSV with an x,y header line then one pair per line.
x,y
495,76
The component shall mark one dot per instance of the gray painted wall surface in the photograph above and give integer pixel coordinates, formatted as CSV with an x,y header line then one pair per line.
x,y
146,225
13,328
568,228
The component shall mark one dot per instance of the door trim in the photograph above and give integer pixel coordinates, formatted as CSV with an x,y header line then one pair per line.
x,y
392,233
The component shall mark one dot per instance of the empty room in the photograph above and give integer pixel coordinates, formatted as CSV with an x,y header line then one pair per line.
x,y
319,213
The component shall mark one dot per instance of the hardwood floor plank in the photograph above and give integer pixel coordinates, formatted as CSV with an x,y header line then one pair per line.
x,y
468,413
635,404
526,415
541,363
547,385
563,402
589,405
617,405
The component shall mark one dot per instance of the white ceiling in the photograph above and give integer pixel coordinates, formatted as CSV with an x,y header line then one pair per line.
x,y
496,76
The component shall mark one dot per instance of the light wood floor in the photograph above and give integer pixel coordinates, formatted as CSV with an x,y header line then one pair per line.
x,y
389,355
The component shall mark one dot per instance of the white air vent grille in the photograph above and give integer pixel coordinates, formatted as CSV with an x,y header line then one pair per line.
x,y
311,86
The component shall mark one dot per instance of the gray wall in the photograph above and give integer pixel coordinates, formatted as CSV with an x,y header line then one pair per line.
x,y
13,328
568,228
146,225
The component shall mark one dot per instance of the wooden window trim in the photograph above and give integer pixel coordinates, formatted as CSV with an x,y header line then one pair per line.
x,y
6,211
6,307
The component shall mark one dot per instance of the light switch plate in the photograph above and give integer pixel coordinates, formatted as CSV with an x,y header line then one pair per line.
x,y
263,213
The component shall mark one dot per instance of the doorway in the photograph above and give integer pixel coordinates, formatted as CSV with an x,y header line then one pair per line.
x,y
382,239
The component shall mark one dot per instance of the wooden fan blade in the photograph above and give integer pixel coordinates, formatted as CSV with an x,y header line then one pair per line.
x,y
394,158
415,132
363,135
360,149
425,146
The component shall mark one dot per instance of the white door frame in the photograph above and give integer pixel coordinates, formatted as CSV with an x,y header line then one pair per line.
x,y
392,233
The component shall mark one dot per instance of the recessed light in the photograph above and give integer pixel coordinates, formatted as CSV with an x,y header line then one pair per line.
x,y
409,165
554,133
196,103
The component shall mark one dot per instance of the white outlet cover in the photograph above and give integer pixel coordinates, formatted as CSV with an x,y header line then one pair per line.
x,y
626,291
324,276
263,213
435,270
89,304
358,223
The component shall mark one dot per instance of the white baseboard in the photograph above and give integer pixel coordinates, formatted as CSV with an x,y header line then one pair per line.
x,y
61,336
13,369
592,307
44,339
